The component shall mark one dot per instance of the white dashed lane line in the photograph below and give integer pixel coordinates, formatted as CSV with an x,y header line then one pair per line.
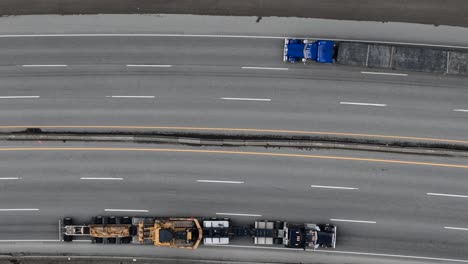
x,y
361,104
334,187
245,99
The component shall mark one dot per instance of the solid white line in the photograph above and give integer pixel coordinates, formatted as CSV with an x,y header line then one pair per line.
x,y
265,68
347,252
20,97
334,187
353,221
29,240
460,110
60,230
448,195
246,99
45,65
149,65
385,73
91,178
210,181
366,104
237,214
19,209
130,96
226,36
456,228
126,210
10,178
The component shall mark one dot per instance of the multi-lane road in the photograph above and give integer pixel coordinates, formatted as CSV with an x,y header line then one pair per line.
x,y
380,207
388,206
215,82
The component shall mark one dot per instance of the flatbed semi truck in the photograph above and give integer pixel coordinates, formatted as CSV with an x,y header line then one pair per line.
x,y
190,232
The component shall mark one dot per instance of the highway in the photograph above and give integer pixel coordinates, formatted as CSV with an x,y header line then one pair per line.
x,y
215,82
383,203
390,208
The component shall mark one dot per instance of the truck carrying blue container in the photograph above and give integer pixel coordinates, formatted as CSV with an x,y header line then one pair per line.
x,y
321,51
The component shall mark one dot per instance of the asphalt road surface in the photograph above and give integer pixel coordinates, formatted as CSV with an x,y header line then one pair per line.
x,y
389,202
448,12
215,82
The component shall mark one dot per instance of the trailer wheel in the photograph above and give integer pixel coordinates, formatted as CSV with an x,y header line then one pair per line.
x,y
112,220
98,240
277,241
125,240
125,220
279,225
98,220
67,221
67,238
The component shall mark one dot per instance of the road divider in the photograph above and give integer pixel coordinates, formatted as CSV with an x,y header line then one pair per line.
x,y
333,187
362,104
239,214
205,138
245,99
353,221
448,195
214,181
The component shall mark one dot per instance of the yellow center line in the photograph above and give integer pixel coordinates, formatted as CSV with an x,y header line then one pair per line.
x,y
251,153
282,131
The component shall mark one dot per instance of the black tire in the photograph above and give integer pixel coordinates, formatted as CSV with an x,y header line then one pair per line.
x,y
67,238
111,240
112,220
67,221
126,220
97,240
98,220
277,241
278,225
125,240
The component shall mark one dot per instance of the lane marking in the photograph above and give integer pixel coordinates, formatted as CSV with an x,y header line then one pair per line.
x,y
282,131
20,97
149,65
130,96
238,214
334,187
248,153
29,240
366,104
44,65
212,181
126,210
448,195
10,178
460,110
264,68
224,36
347,253
245,99
456,228
353,221
97,178
19,209
385,73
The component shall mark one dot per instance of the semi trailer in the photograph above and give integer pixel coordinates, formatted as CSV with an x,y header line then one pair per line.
x,y
191,232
